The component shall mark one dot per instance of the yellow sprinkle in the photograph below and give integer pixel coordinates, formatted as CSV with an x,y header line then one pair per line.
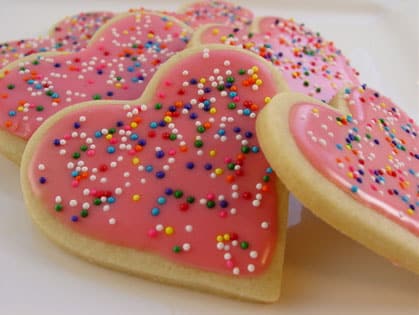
x,y
150,35
267,99
135,161
1,75
136,197
219,238
255,69
226,237
255,76
219,171
259,82
167,119
315,110
20,109
213,153
108,136
213,110
125,32
202,80
134,124
223,39
410,211
348,147
118,85
169,230
169,24
215,31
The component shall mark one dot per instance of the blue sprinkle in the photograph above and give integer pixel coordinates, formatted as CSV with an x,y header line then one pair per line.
x,y
208,166
42,180
160,174
168,191
354,189
74,218
134,137
98,134
161,200
269,170
12,113
223,204
149,168
111,149
56,142
190,165
111,200
159,154
153,125
155,212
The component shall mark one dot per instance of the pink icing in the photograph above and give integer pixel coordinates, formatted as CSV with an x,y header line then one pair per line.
x,y
215,11
309,64
372,155
117,65
185,136
71,34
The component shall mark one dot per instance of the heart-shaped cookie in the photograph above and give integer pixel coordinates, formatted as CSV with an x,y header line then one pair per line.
x,y
172,186
119,62
356,167
71,34
310,64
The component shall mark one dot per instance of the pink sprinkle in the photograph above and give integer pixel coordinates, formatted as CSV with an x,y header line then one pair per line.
x,y
229,264
67,137
152,233
90,81
210,196
75,184
113,141
131,152
167,83
223,214
227,160
172,152
161,95
91,153
236,98
93,192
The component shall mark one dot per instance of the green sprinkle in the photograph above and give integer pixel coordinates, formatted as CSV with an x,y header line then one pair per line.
x,y
11,86
190,199
39,108
97,97
178,194
84,213
58,207
210,204
199,143
177,249
232,105
97,202
84,148
244,245
158,106
245,149
242,71
76,155
200,129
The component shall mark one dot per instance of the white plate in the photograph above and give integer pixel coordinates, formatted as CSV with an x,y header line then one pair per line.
x,y
325,272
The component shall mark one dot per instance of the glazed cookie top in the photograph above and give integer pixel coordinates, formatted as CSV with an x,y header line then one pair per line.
x,y
118,64
71,34
178,173
310,64
371,153
215,11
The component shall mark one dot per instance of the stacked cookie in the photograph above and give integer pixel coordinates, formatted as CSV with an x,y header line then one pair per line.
x,y
150,142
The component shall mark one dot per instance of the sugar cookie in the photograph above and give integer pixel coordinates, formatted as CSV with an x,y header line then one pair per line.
x,y
120,60
172,186
356,167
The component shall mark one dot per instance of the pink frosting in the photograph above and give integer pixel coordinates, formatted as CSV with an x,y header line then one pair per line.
x,y
309,64
71,34
192,136
215,11
117,65
372,155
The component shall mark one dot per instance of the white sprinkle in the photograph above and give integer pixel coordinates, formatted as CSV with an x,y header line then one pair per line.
x,y
186,247
188,228
264,225
253,254
41,167
112,221
227,256
73,203
159,227
236,271
251,267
